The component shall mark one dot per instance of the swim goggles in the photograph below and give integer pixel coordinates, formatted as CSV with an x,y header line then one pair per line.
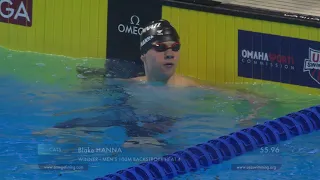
x,y
161,47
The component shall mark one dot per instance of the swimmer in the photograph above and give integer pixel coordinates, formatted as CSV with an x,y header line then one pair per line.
x,y
160,54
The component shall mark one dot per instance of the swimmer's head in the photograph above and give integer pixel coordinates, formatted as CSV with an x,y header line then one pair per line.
x,y
160,49
158,31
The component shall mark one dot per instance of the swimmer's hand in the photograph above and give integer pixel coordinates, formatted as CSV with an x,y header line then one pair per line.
x,y
257,103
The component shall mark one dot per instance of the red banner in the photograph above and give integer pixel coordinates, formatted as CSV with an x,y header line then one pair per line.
x,y
16,12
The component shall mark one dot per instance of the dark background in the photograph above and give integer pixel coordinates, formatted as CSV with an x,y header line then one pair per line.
x,y
126,47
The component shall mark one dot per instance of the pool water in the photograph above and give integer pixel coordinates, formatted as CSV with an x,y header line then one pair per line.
x,y
39,92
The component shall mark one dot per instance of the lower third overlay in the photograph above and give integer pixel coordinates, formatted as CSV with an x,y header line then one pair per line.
x,y
79,157
75,157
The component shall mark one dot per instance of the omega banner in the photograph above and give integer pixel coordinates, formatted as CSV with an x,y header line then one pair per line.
x,y
17,12
126,19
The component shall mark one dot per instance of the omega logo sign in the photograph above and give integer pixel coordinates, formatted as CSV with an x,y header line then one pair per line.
x,y
132,28
16,12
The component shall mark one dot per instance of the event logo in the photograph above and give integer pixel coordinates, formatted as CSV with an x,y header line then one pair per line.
x,y
312,65
16,12
267,59
133,28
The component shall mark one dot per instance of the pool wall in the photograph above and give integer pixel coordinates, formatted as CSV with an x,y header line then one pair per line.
x,y
213,37
75,28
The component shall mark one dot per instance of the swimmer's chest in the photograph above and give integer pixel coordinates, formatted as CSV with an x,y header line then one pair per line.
x,y
163,100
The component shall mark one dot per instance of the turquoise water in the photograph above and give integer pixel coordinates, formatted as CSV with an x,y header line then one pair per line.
x,y
41,91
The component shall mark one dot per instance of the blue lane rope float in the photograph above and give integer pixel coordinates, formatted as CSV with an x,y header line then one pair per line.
x,y
224,148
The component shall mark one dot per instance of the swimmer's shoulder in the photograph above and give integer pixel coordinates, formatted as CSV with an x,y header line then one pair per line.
x,y
184,81
178,80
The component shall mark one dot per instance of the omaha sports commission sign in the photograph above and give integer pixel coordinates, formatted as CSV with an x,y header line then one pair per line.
x,y
279,59
17,12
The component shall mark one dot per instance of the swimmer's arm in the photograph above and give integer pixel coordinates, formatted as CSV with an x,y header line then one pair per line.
x,y
255,100
252,98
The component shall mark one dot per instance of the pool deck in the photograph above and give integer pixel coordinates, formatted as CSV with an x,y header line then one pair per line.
x,y
306,7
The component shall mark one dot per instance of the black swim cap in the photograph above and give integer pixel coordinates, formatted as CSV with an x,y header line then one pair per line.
x,y
160,31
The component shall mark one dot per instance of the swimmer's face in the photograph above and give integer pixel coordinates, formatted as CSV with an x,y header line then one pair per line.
x,y
162,59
